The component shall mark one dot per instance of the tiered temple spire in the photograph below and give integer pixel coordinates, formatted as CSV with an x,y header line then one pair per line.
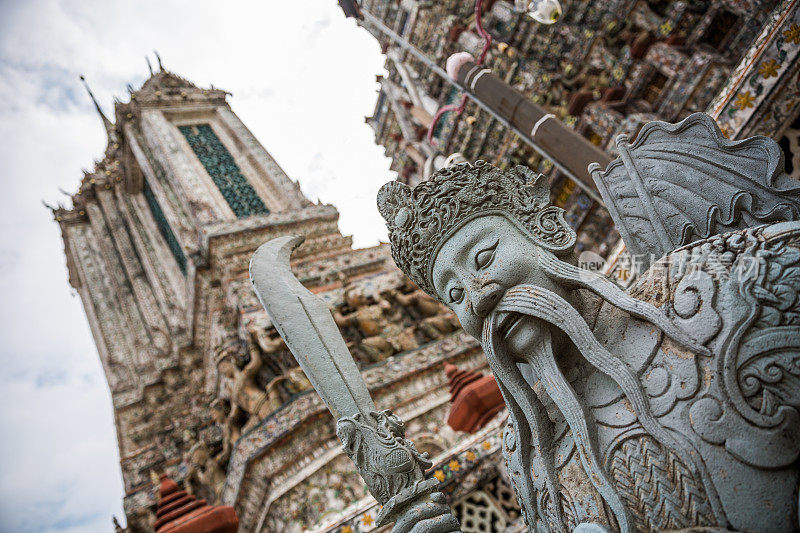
x,y
111,130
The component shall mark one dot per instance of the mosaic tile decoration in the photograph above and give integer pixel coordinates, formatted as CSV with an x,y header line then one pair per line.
x,y
224,171
163,227
759,72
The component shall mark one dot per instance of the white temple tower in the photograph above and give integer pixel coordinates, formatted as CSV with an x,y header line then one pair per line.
x,y
158,242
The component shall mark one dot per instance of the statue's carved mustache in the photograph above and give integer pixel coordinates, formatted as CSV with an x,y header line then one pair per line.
x,y
573,277
507,322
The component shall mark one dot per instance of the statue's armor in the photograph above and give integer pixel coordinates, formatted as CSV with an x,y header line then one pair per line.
x,y
737,409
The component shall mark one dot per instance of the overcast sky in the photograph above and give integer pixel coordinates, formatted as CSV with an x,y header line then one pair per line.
x,y
302,78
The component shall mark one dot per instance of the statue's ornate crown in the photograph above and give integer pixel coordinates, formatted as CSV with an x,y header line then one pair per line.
x,y
420,220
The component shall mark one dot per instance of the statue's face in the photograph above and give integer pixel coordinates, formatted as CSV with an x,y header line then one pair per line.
x,y
477,265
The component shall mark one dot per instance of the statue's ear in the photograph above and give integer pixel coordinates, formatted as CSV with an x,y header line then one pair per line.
x,y
394,198
535,184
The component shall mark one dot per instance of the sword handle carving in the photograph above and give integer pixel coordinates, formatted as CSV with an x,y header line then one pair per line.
x,y
394,471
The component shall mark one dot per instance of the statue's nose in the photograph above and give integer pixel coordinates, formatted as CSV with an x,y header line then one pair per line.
x,y
486,298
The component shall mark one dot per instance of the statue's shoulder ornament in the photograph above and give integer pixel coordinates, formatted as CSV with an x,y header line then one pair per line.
x,y
677,183
737,294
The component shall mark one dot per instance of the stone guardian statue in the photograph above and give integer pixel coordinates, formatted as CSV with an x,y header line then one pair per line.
x,y
674,405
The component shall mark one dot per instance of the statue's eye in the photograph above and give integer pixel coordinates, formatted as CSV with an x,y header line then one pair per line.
x,y
485,257
456,295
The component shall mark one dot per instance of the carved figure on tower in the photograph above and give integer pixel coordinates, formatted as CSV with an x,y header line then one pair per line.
x,y
382,337
205,476
435,319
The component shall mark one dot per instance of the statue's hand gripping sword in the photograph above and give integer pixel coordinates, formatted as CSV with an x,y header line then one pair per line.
x,y
390,465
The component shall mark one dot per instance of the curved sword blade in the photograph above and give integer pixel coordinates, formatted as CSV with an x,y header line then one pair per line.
x,y
308,329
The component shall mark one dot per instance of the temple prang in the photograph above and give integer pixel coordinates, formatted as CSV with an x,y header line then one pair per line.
x,y
157,242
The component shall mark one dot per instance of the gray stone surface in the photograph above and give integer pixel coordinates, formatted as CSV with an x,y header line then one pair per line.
x,y
672,406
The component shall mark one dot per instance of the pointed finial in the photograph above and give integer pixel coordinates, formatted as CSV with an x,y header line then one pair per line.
x,y
149,66
158,57
107,124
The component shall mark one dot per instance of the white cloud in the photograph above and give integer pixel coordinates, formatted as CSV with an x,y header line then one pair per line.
x,y
302,78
